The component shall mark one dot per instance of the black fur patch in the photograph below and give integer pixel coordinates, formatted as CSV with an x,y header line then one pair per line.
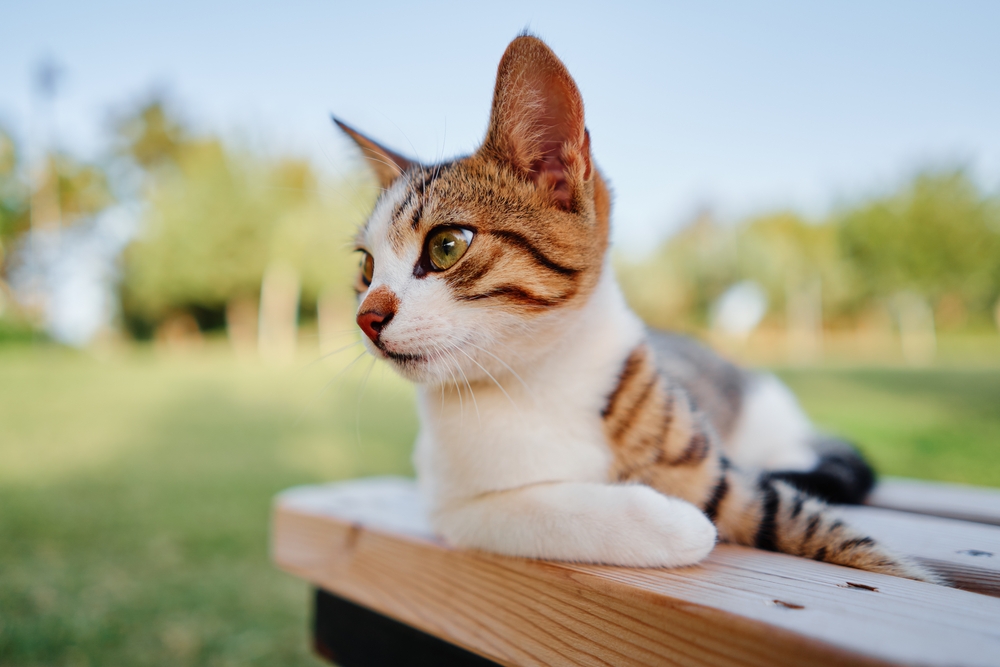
x,y
767,530
842,476
711,508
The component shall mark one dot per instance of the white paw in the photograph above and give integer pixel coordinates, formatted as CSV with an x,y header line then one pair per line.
x,y
590,523
660,531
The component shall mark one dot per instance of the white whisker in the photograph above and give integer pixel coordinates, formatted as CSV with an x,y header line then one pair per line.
x,y
471,393
505,365
454,380
327,355
488,374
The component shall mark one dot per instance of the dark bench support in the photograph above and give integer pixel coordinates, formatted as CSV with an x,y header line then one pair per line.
x,y
352,636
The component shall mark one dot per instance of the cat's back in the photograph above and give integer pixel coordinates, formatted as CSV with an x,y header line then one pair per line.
x,y
717,385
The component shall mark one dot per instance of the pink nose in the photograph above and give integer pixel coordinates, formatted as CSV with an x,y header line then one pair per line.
x,y
372,322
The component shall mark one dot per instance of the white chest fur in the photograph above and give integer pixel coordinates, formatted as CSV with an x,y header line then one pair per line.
x,y
544,426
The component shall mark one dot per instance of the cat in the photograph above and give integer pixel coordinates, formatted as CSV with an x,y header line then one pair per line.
x,y
554,424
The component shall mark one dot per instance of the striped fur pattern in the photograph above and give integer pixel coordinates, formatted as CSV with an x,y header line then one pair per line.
x,y
553,424
659,439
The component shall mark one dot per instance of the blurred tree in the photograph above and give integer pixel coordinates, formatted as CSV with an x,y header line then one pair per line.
x,y
785,253
939,237
674,287
152,135
217,218
14,194
678,284
63,191
780,248
81,190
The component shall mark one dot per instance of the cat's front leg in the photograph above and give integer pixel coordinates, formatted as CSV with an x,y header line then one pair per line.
x,y
585,522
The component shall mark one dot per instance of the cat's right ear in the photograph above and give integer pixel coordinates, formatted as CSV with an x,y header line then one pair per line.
x,y
536,124
387,165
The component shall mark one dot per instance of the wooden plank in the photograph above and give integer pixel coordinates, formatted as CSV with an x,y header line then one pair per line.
x,y
967,554
368,542
955,501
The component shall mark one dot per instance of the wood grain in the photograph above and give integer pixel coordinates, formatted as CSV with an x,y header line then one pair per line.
x,y
967,554
955,501
368,541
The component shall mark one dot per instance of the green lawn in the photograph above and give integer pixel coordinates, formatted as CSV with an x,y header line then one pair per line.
x,y
134,501
135,490
932,424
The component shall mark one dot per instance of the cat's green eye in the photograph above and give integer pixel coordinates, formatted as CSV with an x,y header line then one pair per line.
x,y
446,246
367,269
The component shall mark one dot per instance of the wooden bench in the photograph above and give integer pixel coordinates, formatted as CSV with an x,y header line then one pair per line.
x,y
388,592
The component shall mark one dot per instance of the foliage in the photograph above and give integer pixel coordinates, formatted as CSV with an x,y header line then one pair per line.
x,y
937,236
13,194
216,218
695,266
152,135
64,191
81,189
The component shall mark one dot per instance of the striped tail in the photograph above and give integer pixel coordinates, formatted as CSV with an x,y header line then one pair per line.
x,y
767,513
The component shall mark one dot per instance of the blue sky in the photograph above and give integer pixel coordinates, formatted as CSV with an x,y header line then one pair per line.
x,y
741,106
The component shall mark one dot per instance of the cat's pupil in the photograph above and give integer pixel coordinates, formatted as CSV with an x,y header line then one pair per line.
x,y
367,269
447,246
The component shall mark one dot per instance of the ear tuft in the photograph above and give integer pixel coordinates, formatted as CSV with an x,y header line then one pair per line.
x,y
537,121
387,165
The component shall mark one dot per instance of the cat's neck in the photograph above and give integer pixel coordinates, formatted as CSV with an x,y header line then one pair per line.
x,y
541,424
605,327
586,342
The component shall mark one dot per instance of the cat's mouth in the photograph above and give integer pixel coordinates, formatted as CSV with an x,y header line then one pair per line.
x,y
402,358
415,364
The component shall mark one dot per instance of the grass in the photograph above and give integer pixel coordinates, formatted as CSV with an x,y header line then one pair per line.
x,y
134,501
135,490
941,424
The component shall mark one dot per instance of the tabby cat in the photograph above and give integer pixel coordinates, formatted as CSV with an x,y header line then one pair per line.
x,y
554,424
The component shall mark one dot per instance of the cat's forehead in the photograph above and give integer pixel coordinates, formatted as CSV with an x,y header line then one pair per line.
x,y
421,198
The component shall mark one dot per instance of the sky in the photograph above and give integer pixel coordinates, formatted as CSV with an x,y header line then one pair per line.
x,y
740,107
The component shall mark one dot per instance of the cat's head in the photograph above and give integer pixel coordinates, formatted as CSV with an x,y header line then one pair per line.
x,y
473,266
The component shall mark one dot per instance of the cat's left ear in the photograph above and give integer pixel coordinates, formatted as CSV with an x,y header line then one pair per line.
x,y
387,165
537,123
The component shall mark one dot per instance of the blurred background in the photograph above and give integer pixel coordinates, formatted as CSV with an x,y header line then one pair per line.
x,y
814,190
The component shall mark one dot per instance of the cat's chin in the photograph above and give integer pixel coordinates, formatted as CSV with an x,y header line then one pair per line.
x,y
412,367
418,368
428,370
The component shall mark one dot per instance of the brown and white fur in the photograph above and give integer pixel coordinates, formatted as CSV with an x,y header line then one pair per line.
x,y
553,423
